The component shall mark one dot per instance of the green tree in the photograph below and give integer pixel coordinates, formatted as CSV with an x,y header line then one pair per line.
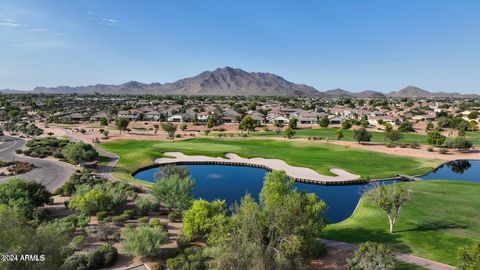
x,y
174,192
472,125
292,124
210,122
473,115
278,125
406,126
280,232
170,129
462,144
100,197
195,119
17,236
435,138
79,152
192,258
339,134
247,124
24,196
364,121
430,126
468,257
144,241
324,122
346,124
361,135
394,135
202,218
372,256
289,133
390,199
104,121
122,124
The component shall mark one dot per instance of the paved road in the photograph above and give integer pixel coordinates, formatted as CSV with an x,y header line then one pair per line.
x,y
407,258
49,172
105,171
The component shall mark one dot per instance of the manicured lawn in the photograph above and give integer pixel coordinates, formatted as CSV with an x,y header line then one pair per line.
x,y
347,135
318,156
377,137
441,216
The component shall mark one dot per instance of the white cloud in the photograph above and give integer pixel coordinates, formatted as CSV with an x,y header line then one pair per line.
x,y
9,23
109,21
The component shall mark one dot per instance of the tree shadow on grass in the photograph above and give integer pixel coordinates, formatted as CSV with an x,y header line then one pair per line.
x,y
436,225
360,235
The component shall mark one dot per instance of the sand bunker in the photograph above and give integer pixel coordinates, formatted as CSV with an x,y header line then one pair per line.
x,y
299,173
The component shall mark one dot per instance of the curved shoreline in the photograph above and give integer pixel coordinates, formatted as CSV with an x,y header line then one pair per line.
x,y
294,172
299,174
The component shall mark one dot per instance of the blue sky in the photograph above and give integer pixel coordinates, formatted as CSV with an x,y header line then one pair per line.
x,y
354,45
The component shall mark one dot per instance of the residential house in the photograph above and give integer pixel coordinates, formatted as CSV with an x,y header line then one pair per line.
x,y
177,118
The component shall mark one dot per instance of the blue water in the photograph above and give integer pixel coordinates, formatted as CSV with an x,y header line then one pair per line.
x,y
466,170
231,183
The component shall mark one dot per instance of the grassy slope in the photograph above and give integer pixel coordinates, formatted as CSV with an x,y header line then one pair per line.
x,y
441,216
318,156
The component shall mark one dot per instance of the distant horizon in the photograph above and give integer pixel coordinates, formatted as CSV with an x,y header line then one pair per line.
x,y
373,45
319,90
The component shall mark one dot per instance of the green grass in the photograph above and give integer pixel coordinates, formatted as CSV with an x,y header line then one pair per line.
x,y
441,216
377,137
317,156
406,266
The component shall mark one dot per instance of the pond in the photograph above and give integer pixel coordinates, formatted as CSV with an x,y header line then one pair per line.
x,y
466,170
230,183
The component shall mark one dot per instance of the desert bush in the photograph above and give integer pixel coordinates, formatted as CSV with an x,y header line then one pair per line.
x,y
102,215
144,205
174,217
119,220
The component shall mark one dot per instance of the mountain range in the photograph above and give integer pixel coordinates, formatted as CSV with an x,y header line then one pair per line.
x,y
229,81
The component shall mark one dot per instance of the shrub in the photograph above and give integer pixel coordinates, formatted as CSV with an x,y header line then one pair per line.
x,y
192,258
40,213
27,152
102,257
117,235
75,261
130,226
443,151
144,205
57,154
468,257
144,220
174,217
119,220
77,241
18,151
129,213
371,255
430,149
144,241
82,220
102,215
182,242
317,249
414,145
155,222
132,194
